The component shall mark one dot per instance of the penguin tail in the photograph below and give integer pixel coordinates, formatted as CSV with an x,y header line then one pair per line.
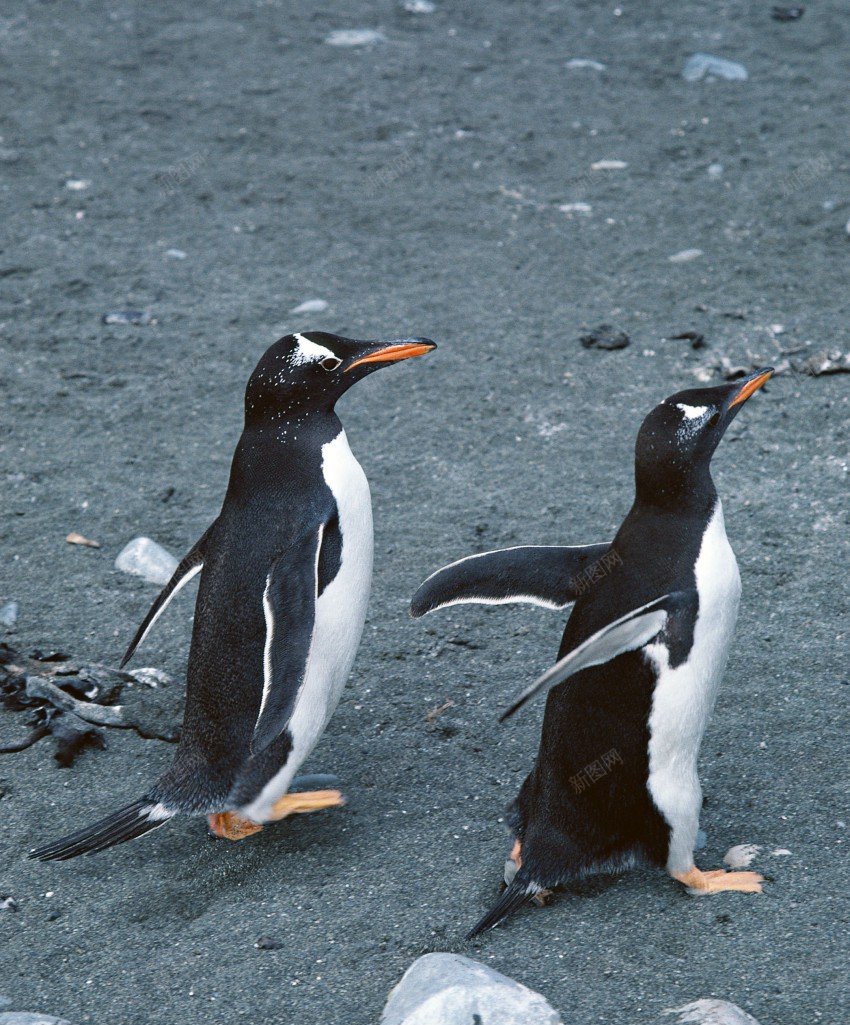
x,y
518,891
127,823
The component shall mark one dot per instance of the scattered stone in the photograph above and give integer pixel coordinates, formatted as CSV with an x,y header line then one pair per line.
x,y
448,989
151,677
609,165
826,362
702,65
696,338
268,943
77,184
715,170
712,1012
175,254
780,852
419,6
576,208
8,904
84,542
579,63
787,13
9,615
30,1018
685,256
605,337
145,558
742,855
138,317
310,306
9,155
5,1002
355,37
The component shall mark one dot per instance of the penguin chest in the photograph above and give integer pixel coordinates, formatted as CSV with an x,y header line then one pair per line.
x,y
341,607
684,695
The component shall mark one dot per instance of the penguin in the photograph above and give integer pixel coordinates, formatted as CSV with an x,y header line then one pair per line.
x,y
285,574
615,780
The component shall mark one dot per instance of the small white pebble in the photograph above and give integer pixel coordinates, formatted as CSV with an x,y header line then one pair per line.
x,y
419,6
780,852
609,165
175,254
77,184
579,63
355,37
715,170
575,208
311,306
685,256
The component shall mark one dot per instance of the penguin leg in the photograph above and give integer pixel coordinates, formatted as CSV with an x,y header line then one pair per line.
x,y
718,881
306,801
231,826
513,865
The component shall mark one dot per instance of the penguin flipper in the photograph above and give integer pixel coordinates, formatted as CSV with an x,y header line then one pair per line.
x,y
628,633
191,564
289,604
552,576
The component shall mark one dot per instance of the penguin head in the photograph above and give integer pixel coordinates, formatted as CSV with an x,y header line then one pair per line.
x,y
677,440
312,369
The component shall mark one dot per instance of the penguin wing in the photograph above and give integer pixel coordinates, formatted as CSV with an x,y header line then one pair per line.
x,y
671,614
191,564
551,576
289,605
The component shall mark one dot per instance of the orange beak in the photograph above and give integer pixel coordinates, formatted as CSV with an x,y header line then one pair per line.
x,y
752,386
394,353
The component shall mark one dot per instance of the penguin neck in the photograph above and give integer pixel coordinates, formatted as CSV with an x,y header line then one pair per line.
x,y
269,441
677,487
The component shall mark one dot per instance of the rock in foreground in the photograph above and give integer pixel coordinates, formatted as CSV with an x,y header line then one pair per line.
x,y
145,558
29,1018
447,989
712,1012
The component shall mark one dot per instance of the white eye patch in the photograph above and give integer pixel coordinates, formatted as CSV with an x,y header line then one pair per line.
x,y
692,412
309,352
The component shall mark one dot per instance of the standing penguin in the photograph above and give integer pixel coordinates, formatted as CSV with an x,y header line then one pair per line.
x,y
286,569
615,781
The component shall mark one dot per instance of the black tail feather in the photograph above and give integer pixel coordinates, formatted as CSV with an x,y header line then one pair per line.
x,y
511,900
125,824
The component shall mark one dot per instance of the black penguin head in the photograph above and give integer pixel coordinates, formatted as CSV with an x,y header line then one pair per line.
x,y
311,370
677,440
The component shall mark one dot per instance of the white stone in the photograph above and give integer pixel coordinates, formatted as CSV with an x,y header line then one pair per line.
x,y
175,254
30,1018
581,62
703,65
447,989
77,184
712,1012
685,256
575,208
355,37
419,6
311,306
150,676
145,558
9,615
609,165
715,170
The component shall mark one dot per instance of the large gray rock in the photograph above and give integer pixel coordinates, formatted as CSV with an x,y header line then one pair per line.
x,y
30,1018
145,558
447,989
712,1012
707,65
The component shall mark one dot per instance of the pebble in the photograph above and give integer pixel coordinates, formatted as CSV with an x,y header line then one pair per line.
x,y
268,943
715,170
30,1018
310,306
8,904
150,676
702,65
175,254
77,184
9,615
827,362
582,62
9,155
355,37
742,855
685,256
609,165
576,208
779,13
145,558
419,6
605,337
84,542
141,317
712,1012
448,989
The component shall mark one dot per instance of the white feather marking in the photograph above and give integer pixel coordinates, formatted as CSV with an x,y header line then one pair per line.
x,y
340,614
268,613
192,572
158,813
692,412
684,697
309,352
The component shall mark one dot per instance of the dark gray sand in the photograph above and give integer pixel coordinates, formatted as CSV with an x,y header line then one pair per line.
x,y
415,186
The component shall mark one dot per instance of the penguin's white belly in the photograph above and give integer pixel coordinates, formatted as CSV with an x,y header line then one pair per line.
x,y
684,697
340,615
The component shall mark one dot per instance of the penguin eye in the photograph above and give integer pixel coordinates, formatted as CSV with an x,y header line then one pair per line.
x,y
714,418
330,363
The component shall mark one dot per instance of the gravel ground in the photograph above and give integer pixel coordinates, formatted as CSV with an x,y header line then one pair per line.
x,y
416,185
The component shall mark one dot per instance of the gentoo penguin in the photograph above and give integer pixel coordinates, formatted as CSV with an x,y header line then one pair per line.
x,y
615,780
286,569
